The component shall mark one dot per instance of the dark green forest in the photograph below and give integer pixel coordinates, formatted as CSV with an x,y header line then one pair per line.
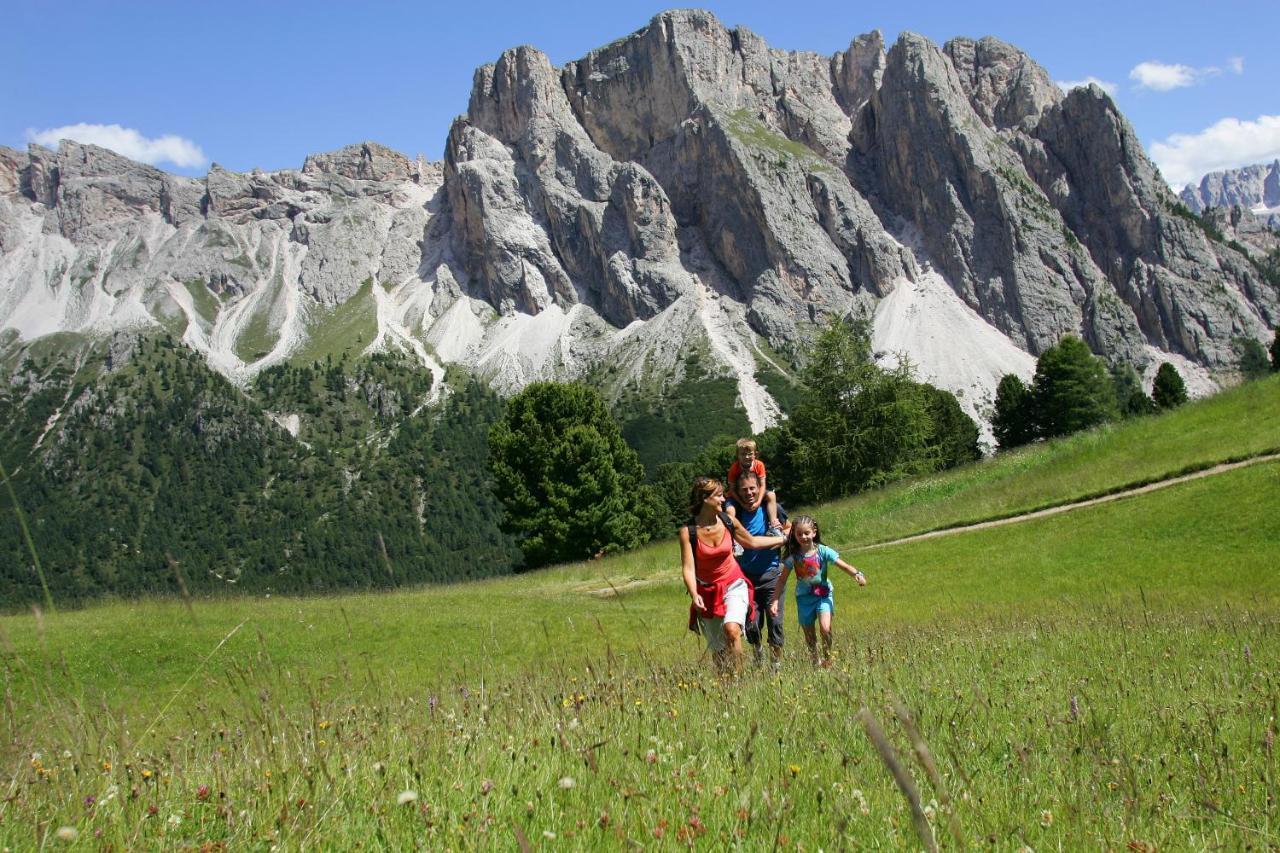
x,y
158,473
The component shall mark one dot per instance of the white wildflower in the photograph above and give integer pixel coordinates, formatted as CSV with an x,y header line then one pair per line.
x,y
567,782
406,797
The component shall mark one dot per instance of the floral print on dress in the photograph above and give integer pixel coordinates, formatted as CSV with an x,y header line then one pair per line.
x,y
808,567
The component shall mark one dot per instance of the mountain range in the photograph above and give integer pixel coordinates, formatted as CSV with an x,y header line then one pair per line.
x,y
682,205
1255,188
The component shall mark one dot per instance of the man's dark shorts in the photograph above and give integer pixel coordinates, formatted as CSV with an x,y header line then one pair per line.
x,y
764,587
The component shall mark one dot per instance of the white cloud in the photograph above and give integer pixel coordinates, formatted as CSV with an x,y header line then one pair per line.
x,y
1185,158
125,141
1068,85
1162,77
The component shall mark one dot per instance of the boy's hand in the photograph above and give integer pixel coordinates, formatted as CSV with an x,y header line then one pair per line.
x,y
773,607
697,602
859,577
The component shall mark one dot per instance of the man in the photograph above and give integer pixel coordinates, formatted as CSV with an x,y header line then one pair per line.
x,y
761,566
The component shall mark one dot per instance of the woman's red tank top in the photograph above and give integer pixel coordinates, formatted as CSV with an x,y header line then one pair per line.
x,y
715,564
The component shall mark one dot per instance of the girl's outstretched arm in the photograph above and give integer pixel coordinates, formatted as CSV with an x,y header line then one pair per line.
x,y
777,590
856,574
686,566
755,543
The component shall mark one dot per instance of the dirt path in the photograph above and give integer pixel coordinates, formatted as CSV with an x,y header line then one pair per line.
x,y
1057,510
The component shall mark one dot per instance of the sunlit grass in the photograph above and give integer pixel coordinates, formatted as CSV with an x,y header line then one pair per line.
x,y
1096,679
1106,678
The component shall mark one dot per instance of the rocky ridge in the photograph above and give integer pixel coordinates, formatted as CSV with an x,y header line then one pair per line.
x,y
686,190
1254,188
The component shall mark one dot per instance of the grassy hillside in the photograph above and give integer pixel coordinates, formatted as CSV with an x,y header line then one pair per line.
x,y
1105,678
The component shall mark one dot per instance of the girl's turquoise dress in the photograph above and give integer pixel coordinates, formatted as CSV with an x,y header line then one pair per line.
x,y
813,588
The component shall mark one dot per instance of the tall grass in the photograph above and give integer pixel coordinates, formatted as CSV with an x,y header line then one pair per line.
x,y
1102,679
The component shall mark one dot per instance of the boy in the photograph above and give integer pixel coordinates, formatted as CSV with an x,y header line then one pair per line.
x,y
747,461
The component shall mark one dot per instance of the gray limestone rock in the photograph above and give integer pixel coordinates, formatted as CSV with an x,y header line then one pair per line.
x,y
1157,259
1005,87
991,231
12,165
366,161
1249,187
688,176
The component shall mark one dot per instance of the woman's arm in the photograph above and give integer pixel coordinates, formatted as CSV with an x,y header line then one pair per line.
x,y
686,565
746,540
856,574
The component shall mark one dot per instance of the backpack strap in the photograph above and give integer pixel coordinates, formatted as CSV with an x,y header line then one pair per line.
x,y
725,519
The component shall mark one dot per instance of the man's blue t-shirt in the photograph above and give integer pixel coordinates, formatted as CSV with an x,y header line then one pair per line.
x,y
756,564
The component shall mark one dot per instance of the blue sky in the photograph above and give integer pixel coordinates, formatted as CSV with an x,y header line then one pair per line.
x,y
263,84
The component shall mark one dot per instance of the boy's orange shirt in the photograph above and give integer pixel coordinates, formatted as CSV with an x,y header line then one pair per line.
x,y
736,469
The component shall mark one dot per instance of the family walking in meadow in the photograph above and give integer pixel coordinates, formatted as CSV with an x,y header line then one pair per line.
x,y
736,558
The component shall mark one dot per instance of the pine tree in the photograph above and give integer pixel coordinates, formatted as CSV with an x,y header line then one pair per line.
x,y
1275,349
1072,389
1130,397
955,435
1253,358
571,486
1013,422
859,425
1169,391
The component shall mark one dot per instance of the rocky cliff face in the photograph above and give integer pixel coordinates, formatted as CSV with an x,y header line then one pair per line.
x,y
684,191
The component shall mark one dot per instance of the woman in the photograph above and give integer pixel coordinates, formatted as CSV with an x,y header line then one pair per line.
x,y
721,593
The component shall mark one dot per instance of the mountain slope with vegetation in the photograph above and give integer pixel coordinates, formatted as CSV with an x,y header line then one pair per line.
x,y
139,470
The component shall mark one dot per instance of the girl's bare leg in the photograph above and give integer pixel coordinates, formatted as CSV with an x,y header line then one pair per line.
x,y
811,638
824,625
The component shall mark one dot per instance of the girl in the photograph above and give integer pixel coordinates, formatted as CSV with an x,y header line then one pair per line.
x,y
811,560
721,593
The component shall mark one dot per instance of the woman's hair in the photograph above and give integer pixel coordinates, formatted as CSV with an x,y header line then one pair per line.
x,y
703,488
793,544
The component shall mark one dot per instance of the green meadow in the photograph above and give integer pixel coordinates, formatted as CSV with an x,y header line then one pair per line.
x,y
1106,678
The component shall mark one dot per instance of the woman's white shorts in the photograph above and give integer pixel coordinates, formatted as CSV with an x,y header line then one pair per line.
x,y
735,610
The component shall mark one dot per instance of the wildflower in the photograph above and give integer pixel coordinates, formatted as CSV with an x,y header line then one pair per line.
x,y
794,768
549,835
106,766
324,724
603,822
175,819
486,786
930,811
651,757
406,797
202,793
566,782
67,834
1046,818
861,799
